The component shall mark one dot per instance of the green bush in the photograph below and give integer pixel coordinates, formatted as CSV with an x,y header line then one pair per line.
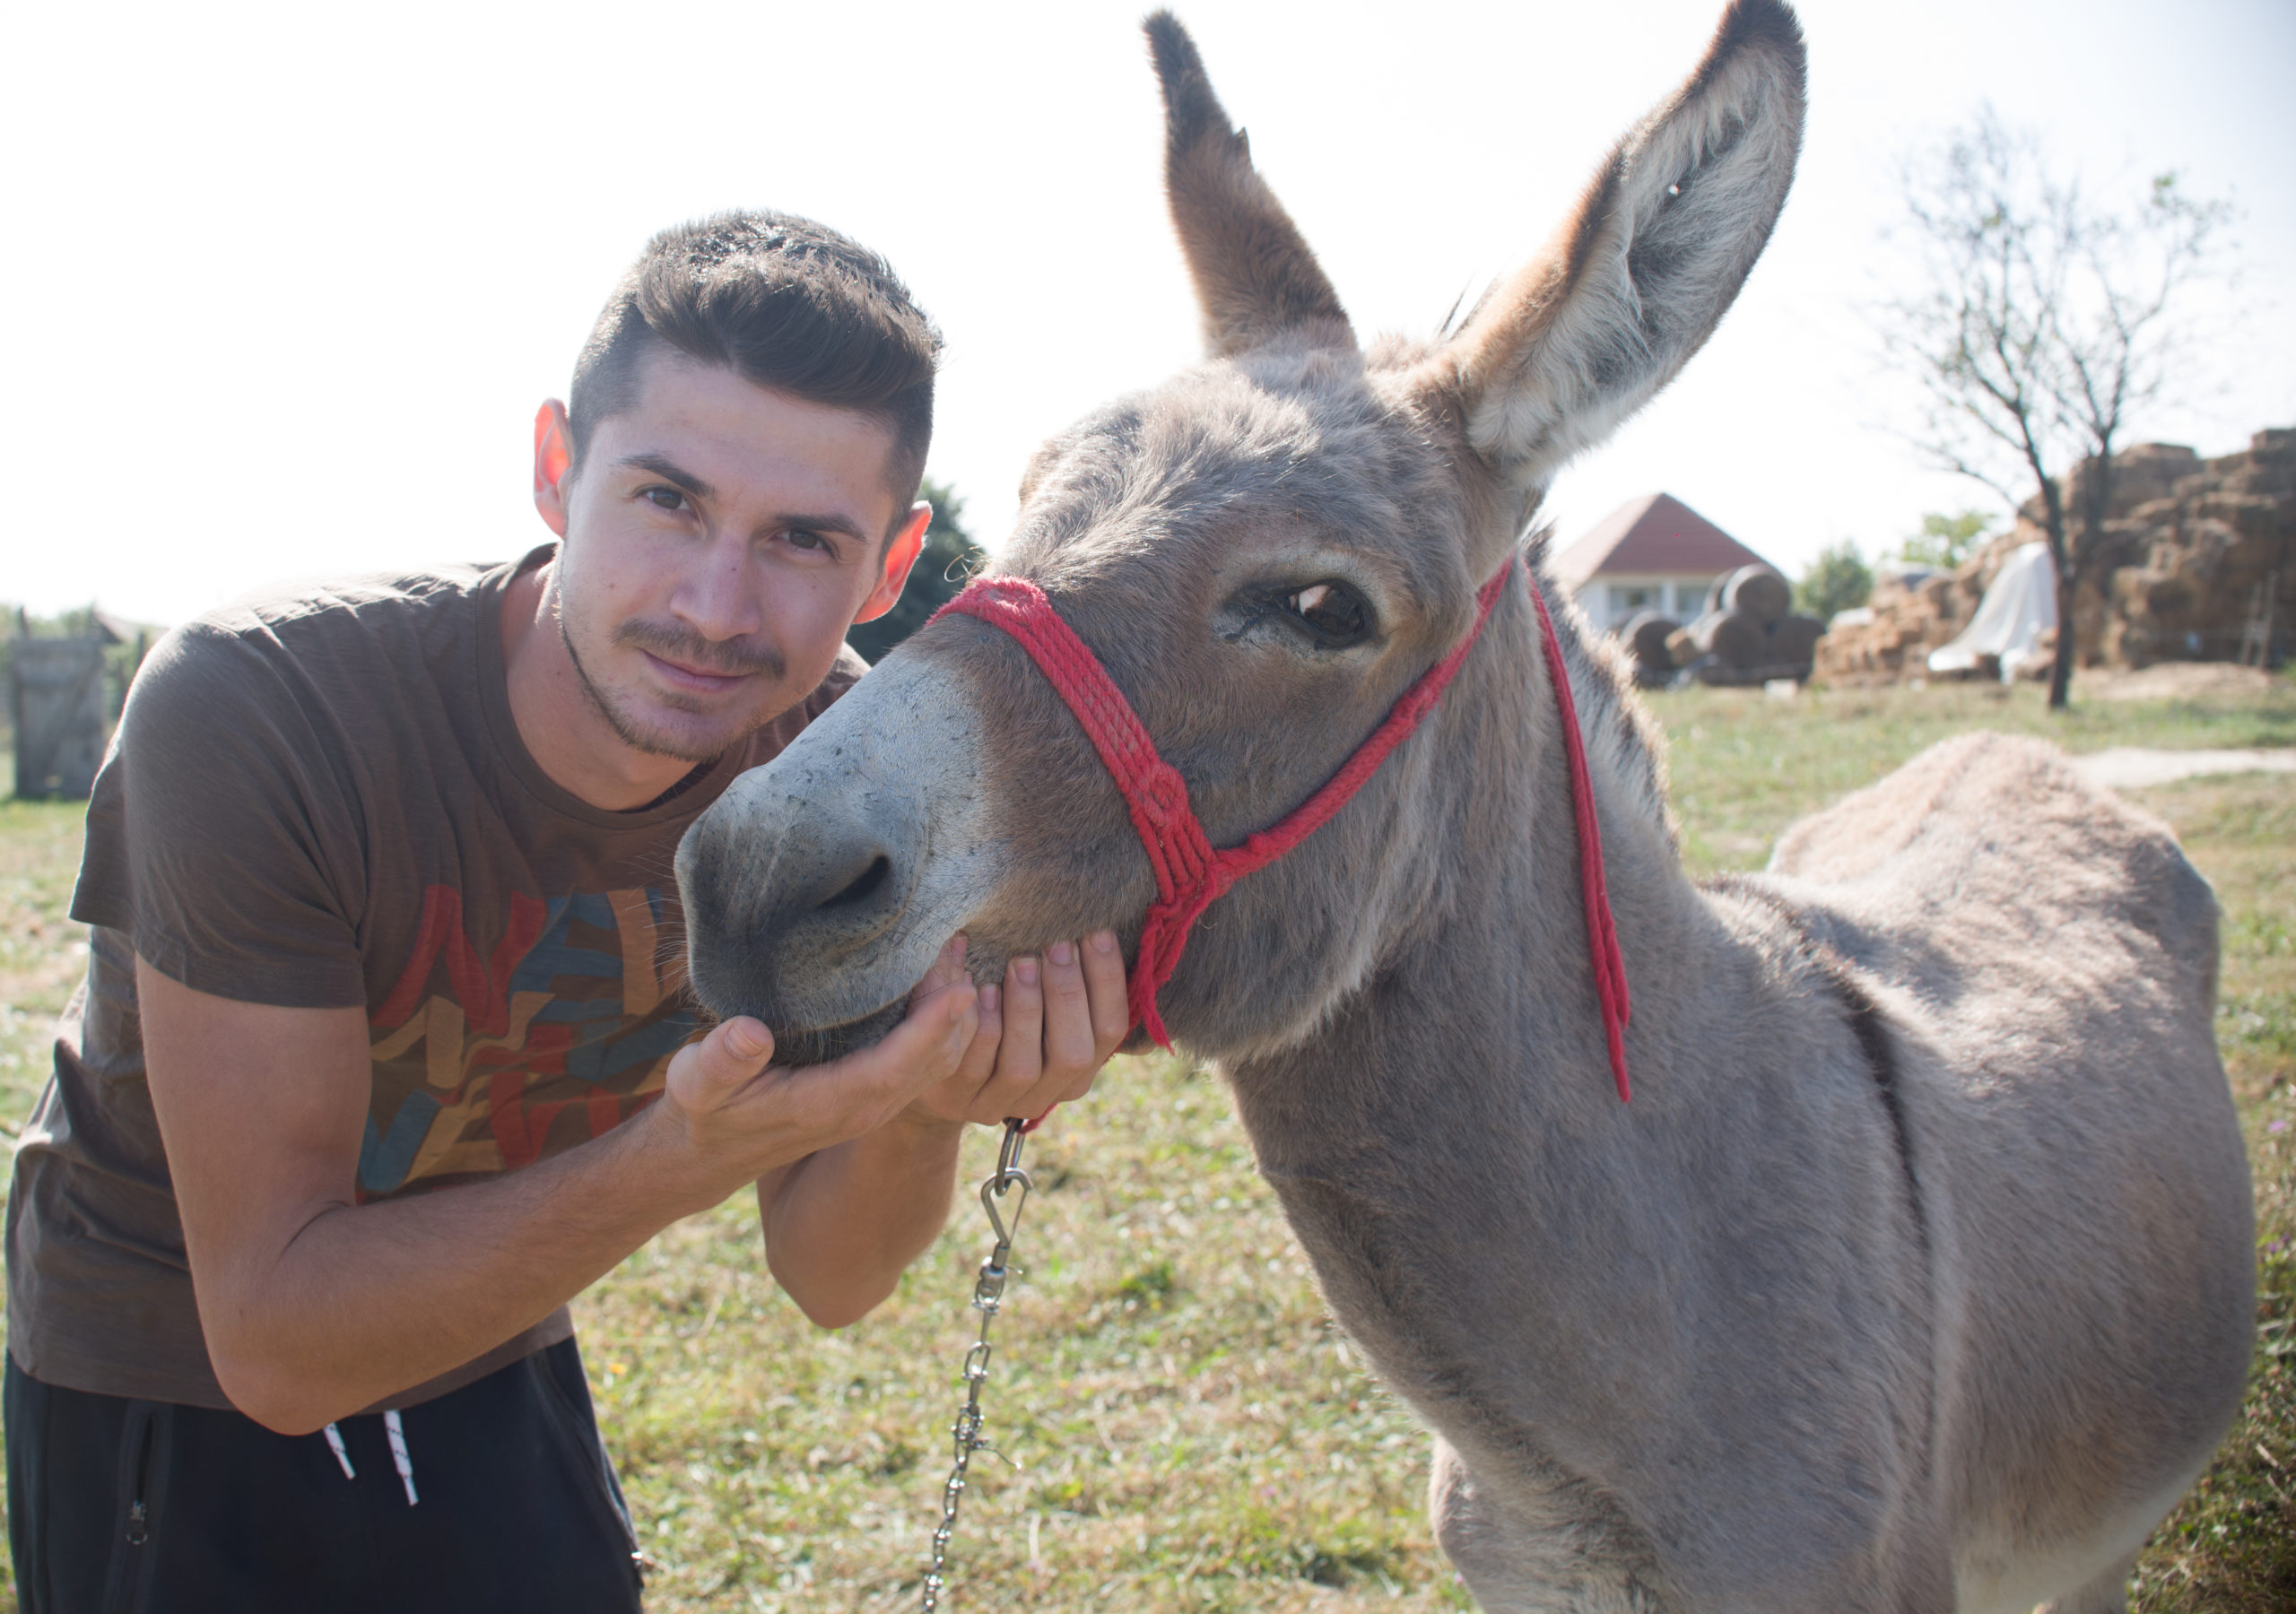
x,y
1836,580
949,559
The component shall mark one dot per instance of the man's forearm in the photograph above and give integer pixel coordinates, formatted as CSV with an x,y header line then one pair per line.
x,y
313,1308
351,1305
367,1300
842,1225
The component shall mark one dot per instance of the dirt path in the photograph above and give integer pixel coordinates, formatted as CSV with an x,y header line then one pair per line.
x,y
2128,767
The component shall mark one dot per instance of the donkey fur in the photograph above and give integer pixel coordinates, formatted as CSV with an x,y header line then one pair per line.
x,y
1917,1276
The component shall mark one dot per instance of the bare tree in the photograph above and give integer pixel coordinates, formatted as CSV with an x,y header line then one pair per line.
x,y
2044,325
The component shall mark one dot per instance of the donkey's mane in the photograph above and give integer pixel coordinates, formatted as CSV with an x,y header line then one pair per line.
x,y
1624,743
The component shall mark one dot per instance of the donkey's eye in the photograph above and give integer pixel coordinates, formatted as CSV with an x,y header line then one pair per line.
x,y
1335,612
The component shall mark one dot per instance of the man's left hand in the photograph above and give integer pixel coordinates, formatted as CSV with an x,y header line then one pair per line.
x,y
1044,1034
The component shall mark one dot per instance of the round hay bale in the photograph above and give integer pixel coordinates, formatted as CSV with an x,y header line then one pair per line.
x,y
1757,591
1731,636
1794,641
1645,637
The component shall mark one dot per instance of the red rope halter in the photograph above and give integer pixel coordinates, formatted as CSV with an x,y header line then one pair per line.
x,y
1191,875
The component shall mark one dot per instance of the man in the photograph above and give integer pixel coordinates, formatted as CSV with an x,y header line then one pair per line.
x,y
382,1056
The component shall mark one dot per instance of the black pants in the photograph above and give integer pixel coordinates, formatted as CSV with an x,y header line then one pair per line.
x,y
147,1507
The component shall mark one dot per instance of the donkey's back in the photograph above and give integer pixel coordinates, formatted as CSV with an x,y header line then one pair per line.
x,y
2044,960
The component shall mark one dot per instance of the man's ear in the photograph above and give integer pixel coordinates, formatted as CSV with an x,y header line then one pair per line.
x,y
901,554
553,456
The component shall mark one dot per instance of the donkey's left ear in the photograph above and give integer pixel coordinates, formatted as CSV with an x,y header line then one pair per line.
x,y
1642,272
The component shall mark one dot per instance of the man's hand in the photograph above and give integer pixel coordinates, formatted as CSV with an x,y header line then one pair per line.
x,y
841,1225
744,1118
1044,1035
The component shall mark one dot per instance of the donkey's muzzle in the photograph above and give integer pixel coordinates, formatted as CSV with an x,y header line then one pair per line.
x,y
790,905
819,889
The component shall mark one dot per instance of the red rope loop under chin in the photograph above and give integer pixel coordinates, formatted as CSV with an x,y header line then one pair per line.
x,y
1191,875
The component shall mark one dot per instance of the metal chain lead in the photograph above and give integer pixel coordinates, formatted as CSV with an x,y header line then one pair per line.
x,y
988,1295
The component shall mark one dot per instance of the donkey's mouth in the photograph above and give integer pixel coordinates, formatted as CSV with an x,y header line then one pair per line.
x,y
821,1045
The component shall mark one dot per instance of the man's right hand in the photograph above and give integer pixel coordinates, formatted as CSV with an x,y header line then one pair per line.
x,y
741,1118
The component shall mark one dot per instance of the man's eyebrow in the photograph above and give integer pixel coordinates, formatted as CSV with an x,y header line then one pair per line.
x,y
828,522
670,472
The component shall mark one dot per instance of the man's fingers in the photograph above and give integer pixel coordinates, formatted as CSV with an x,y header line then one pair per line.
x,y
947,969
1104,982
710,1071
1067,1014
932,1040
745,1041
1020,1052
922,1051
979,1061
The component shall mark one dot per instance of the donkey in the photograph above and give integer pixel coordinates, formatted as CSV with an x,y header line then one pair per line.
x,y
1918,1273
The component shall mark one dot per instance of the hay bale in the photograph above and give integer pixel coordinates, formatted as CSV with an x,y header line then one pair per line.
x,y
1759,593
1728,640
1645,637
1736,639
1793,642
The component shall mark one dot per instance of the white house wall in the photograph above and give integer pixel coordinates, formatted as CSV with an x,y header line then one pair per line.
x,y
1611,598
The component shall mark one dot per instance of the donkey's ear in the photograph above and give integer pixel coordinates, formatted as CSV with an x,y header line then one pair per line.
x,y
1640,275
1254,277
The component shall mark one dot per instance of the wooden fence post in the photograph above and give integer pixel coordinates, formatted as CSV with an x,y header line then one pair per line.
x,y
55,701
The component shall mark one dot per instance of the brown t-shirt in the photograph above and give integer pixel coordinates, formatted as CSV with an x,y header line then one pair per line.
x,y
318,799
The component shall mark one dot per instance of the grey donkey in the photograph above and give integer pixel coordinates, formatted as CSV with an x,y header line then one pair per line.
x,y
1917,1275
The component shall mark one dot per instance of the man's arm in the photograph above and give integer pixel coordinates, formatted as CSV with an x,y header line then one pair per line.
x,y
314,1307
842,1226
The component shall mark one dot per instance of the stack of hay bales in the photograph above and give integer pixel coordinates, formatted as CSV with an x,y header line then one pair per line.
x,y
1912,612
2196,562
1748,633
2192,563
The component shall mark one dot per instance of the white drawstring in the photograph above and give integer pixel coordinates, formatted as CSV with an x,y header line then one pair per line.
x,y
399,1459
395,1433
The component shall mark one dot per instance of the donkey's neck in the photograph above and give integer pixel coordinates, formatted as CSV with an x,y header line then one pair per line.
x,y
1460,1102
1489,981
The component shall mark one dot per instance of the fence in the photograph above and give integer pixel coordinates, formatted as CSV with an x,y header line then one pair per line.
x,y
57,707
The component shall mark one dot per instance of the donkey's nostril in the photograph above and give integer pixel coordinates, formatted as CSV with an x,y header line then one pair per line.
x,y
867,882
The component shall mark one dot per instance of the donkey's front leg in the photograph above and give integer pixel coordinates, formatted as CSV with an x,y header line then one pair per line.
x,y
1547,1559
2106,1594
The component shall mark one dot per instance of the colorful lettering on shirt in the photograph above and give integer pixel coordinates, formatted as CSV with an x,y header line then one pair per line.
x,y
487,1060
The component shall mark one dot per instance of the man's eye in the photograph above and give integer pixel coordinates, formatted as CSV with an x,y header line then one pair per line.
x,y
668,498
1335,612
804,539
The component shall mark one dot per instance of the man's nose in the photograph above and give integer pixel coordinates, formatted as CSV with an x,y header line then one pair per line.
x,y
717,595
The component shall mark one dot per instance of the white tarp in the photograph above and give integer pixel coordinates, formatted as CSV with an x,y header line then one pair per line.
x,y
2017,610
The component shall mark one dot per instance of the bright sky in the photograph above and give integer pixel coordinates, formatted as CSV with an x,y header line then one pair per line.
x,y
291,279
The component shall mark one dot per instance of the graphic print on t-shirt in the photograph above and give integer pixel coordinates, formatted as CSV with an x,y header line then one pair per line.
x,y
484,1062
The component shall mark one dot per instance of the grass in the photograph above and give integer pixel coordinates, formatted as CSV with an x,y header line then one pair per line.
x,y
1180,1424
42,953
1746,766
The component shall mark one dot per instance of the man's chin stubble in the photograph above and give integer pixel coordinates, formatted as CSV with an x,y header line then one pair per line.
x,y
653,741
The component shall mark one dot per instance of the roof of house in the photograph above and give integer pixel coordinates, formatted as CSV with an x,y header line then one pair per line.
x,y
1656,535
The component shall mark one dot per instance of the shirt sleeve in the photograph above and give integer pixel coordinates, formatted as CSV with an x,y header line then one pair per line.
x,y
223,833
843,673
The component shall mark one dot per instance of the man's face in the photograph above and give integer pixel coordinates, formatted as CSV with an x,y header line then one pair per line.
x,y
719,538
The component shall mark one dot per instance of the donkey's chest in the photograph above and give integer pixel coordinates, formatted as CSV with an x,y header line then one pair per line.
x,y
1455,1318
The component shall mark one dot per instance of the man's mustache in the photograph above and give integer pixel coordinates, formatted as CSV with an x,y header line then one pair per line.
x,y
726,658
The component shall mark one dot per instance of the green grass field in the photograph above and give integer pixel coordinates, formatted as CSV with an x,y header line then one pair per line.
x,y
1180,1424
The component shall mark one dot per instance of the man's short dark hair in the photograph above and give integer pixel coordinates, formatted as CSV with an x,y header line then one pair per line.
x,y
783,302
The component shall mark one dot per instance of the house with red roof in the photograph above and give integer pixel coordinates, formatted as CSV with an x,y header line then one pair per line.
x,y
1652,553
